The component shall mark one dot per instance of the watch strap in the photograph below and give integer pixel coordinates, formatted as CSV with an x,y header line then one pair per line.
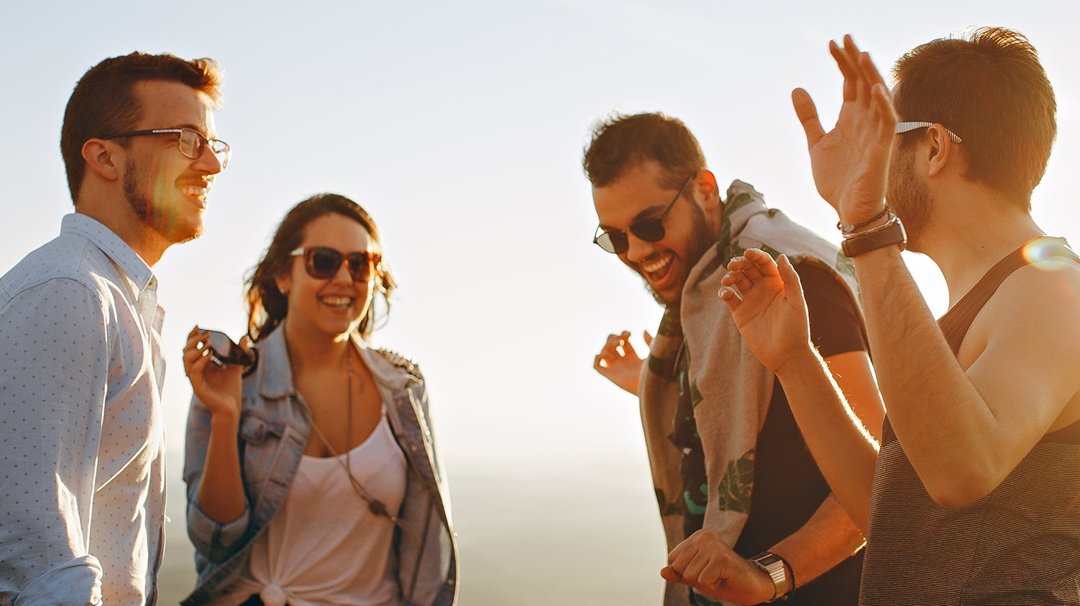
x,y
880,237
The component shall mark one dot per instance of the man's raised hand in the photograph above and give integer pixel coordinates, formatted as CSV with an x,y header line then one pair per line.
x,y
850,163
766,301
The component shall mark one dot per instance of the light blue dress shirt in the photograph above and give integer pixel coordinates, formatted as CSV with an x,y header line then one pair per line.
x,y
82,490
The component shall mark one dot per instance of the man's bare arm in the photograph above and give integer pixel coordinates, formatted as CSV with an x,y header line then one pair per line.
x,y
963,427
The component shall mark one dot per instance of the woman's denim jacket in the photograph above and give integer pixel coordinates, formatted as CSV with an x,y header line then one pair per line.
x,y
274,429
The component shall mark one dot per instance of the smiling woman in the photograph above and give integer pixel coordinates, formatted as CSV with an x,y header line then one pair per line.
x,y
329,422
459,126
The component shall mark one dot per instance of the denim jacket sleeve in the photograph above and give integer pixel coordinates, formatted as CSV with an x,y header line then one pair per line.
x,y
213,540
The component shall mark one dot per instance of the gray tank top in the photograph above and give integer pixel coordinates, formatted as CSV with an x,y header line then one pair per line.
x,y
1020,544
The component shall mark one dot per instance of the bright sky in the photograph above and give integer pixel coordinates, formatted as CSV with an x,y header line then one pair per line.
x,y
460,127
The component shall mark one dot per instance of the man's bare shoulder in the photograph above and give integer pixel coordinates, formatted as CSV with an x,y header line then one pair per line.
x,y
1031,328
1051,285
1041,299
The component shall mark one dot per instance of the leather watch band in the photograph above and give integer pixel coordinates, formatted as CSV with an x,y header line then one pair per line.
x,y
886,235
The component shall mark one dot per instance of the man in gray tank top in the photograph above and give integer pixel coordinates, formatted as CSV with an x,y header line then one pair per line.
x,y
973,496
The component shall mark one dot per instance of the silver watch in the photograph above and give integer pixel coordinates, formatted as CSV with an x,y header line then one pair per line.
x,y
773,565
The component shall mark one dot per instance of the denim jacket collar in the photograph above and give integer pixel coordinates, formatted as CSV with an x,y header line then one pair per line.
x,y
276,379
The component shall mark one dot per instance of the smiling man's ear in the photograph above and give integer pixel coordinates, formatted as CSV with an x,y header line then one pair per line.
x,y
103,158
705,184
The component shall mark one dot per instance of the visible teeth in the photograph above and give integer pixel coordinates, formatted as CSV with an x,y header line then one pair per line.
x,y
657,265
337,301
194,191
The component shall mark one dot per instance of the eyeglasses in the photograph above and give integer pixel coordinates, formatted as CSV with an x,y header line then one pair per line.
x,y
904,127
649,229
323,263
191,143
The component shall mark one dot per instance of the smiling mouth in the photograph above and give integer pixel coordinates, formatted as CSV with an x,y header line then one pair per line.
x,y
196,191
655,269
338,302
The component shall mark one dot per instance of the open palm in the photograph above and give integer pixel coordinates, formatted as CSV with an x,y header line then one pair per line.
x,y
850,163
766,302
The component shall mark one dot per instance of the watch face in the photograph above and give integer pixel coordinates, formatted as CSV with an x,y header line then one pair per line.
x,y
768,559
773,565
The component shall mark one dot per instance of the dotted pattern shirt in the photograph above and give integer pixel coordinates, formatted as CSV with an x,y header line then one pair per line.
x,y
82,490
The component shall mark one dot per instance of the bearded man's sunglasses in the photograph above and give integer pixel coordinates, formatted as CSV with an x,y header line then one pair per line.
x,y
649,229
323,262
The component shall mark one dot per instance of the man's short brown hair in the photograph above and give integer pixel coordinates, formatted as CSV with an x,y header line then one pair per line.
x,y
622,142
990,89
104,102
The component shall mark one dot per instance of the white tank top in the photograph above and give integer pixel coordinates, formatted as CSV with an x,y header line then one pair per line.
x,y
325,546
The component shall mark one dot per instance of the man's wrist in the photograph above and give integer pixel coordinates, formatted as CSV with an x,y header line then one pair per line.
x,y
778,571
849,226
888,234
800,360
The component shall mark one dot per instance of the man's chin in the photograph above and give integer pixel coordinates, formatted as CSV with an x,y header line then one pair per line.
x,y
664,298
178,232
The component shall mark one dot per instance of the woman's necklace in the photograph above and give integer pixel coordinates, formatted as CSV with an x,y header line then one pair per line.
x,y
375,506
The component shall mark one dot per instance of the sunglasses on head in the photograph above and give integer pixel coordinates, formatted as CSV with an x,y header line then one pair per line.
x,y
323,263
649,229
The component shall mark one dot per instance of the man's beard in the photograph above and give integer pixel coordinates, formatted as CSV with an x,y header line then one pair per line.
x,y
164,220
700,241
908,198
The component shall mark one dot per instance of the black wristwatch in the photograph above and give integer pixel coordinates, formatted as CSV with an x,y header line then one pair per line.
x,y
775,566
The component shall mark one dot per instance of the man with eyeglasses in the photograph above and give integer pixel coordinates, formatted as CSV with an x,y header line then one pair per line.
x,y
81,372
973,496
738,492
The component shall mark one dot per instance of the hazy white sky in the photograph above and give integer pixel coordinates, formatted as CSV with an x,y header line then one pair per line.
x,y
459,126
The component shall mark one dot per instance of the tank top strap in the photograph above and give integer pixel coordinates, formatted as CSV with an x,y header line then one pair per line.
x,y
956,322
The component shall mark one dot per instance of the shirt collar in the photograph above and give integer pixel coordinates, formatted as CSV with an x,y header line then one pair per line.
x,y
276,376
112,245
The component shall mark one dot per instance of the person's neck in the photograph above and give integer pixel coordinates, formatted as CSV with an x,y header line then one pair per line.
x,y
308,350
965,249
116,214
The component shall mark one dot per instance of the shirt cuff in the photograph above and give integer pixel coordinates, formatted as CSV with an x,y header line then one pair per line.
x,y
216,539
76,581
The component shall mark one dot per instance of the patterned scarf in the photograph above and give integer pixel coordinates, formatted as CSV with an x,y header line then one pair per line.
x,y
704,395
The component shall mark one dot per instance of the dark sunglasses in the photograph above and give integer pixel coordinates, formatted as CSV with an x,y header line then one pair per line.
x,y
322,262
223,351
649,229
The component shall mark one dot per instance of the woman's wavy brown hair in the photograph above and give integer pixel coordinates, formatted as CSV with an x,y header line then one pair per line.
x,y
268,306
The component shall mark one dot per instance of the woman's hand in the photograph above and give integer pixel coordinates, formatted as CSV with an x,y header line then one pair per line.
x,y
218,388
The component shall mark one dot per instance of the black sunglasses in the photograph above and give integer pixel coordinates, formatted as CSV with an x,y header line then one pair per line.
x,y
223,351
649,229
322,262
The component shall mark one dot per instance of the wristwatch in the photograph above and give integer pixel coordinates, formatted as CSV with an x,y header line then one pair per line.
x,y
774,566
884,235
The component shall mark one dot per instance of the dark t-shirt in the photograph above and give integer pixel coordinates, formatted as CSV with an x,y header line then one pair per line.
x,y
788,487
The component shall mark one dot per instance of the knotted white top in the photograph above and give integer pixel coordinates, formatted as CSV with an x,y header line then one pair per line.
x,y
325,546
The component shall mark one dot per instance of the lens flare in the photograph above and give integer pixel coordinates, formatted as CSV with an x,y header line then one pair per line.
x,y
1048,254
